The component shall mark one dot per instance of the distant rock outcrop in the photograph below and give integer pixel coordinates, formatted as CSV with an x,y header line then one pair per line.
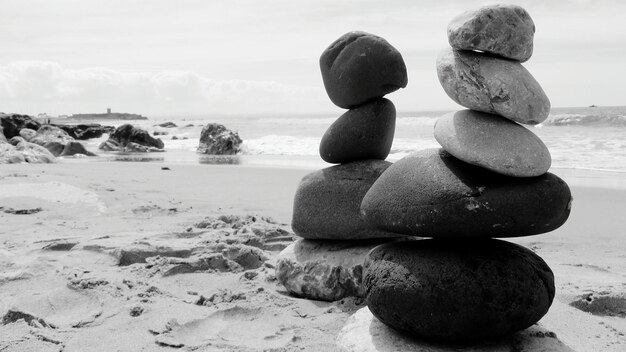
x,y
13,123
56,140
216,139
167,124
86,131
132,139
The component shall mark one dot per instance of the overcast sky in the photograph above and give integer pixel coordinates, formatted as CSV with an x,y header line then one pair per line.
x,y
197,57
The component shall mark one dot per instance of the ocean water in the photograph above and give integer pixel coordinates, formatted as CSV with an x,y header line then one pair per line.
x,y
591,138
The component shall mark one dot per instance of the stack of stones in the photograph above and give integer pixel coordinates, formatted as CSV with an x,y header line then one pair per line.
x,y
489,181
358,69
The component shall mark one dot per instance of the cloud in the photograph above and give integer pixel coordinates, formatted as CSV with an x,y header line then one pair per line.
x,y
26,86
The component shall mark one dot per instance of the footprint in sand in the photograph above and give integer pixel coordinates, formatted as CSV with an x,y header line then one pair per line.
x,y
254,328
53,192
602,303
64,308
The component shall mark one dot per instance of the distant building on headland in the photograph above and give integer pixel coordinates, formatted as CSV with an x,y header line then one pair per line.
x,y
108,116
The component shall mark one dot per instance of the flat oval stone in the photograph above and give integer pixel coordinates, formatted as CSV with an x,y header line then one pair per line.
x,y
360,66
327,201
493,142
430,193
457,290
364,132
502,29
324,270
490,84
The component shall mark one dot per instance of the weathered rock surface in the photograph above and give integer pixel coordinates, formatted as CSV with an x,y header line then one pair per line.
x,y
48,133
216,139
364,333
16,140
27,133
501,29
489,84
132,147
13,123
323,270
56,140
86,131
360,66
73,148
110,146
55,148
3,138
430,193
9,155
327,201
24,152
457,290
493,142
34,153
124,135
364,132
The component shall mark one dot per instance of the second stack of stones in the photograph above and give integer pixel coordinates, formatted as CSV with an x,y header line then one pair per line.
x,y
358,69
489,181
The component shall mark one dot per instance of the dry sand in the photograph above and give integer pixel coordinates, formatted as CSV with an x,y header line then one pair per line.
x,y
118,256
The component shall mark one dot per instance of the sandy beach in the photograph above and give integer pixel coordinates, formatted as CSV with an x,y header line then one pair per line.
x,y
135,257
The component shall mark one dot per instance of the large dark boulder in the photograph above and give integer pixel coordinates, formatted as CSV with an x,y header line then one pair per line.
x,y
364,132
86,131
216,139
457,290
327,202
126,134
359,67
430,193
13,123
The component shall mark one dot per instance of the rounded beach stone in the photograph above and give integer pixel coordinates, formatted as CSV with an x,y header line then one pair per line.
x,y
364,132
360,66
457,290
502,29
430,193
492,142
324,270
490,84
364,333
327,201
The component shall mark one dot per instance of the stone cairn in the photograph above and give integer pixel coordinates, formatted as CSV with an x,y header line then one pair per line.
x,y
358,69
489,181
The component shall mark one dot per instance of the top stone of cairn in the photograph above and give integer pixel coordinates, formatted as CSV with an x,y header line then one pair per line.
x,y
504,29
359,67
